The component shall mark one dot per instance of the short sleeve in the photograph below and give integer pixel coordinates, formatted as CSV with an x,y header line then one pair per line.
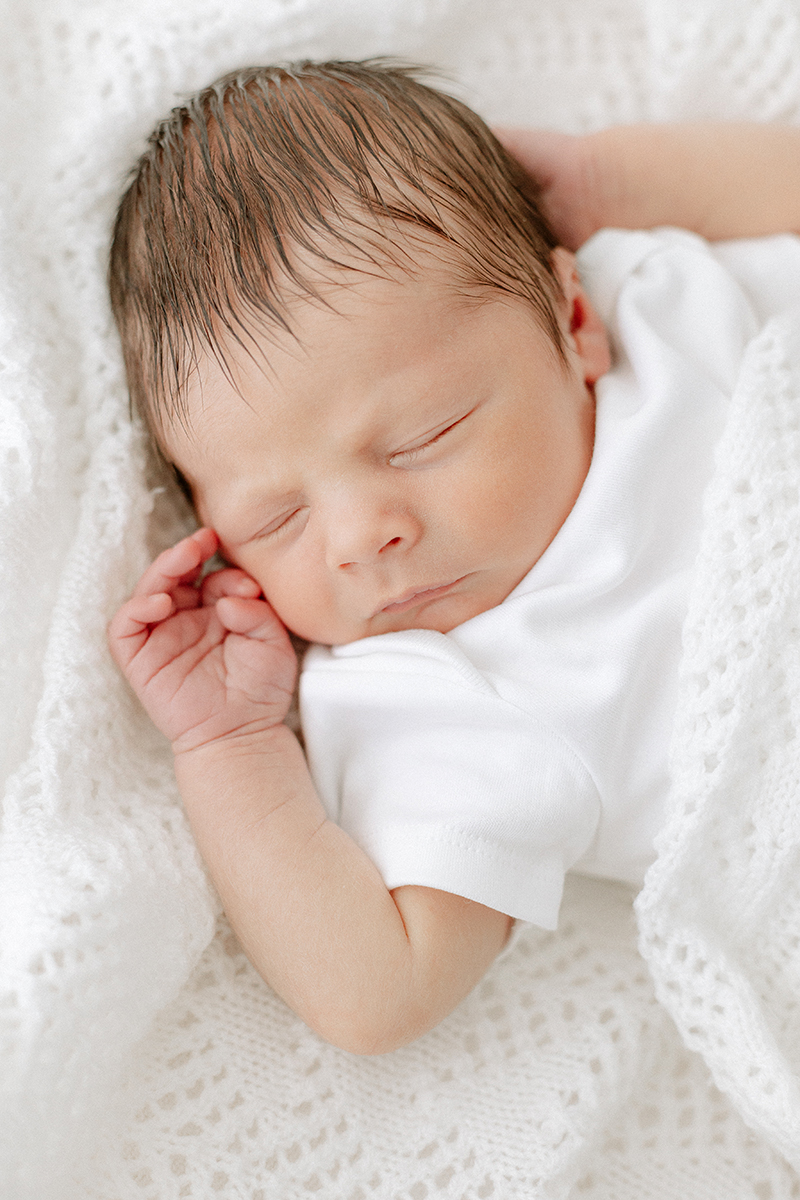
x,y
441,781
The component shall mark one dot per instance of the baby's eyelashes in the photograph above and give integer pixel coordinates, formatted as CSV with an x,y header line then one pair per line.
x,y
406,457
280,524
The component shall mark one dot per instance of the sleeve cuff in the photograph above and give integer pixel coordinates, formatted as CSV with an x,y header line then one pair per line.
x,y
524,886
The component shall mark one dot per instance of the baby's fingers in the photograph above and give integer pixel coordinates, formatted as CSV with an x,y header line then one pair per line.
x,y
542,152
229,582
260,660
252,618
127,629
181,564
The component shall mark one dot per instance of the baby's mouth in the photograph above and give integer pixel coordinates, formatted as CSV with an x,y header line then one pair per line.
x,y
412,599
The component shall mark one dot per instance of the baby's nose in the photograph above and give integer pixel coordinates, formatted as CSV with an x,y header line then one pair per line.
x,y
363,532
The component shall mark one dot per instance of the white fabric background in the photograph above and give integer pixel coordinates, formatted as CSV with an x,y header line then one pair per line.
x,y
141,1055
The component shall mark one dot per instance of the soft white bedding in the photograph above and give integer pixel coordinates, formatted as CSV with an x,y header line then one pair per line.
x,y
141,1055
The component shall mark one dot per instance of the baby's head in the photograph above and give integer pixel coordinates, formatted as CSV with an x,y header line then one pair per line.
x,y
349,328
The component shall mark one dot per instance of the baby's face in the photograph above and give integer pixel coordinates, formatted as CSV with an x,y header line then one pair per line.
x,y
403,460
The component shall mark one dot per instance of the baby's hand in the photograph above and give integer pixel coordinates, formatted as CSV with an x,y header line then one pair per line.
x,y
721,179
209,660
573,182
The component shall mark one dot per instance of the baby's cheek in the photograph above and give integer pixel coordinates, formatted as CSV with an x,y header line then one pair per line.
x,y
306,603
489,498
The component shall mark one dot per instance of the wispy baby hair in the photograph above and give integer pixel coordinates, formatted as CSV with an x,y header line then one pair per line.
x,y
273,179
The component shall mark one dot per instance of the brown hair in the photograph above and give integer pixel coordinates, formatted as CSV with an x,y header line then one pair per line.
x,y
271,169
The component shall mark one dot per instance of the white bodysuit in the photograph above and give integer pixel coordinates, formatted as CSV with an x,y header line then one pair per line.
x,y
534,738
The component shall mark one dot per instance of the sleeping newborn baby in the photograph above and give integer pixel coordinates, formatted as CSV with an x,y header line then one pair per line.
x,y
389,393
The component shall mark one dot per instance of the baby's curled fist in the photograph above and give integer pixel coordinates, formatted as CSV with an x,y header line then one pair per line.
x,y
207,657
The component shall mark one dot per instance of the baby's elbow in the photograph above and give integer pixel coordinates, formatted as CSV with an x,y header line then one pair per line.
x,y
366,1043
368,1033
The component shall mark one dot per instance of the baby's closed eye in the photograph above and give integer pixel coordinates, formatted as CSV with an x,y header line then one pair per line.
x,y
408,456
289,518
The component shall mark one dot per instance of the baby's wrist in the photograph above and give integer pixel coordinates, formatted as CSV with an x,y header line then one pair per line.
x,y
231,787
604,178
644,175
252,740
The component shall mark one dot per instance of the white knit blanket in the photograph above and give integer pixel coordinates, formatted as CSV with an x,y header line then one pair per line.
x,y
142,1057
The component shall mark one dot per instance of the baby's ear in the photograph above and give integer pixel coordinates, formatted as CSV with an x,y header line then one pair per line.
x,y
585,336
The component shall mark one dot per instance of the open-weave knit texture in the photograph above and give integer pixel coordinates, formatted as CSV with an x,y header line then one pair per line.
x,y
142,1057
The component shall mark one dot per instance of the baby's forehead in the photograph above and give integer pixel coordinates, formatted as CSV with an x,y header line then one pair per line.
x,y
390,313
380,353
381,324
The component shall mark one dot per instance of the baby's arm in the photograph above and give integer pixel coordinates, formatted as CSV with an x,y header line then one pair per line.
x,y
721,180
367,969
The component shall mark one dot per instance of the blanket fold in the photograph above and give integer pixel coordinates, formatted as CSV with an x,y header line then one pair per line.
x,y
719,914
